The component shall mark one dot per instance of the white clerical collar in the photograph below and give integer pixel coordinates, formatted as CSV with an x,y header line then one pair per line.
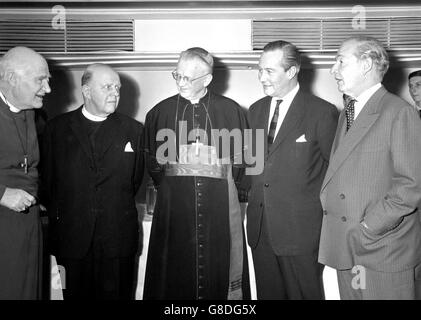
x,y
11,106
91,116
198,99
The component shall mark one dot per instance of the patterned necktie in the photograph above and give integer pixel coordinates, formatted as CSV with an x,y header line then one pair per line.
x,y
349,110
273,123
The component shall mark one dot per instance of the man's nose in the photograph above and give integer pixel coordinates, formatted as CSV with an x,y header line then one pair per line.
x,y
46,87
333,69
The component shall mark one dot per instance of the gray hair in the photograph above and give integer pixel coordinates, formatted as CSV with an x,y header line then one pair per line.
x,y
16,59
369,47
198,54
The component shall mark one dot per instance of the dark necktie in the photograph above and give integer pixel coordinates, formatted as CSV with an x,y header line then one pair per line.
x,y
349,110
273,123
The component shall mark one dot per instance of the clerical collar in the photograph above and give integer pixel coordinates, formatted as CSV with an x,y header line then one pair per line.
x,y
91,116
197,100
11,106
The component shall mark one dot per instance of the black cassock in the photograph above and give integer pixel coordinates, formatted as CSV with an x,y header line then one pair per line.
x,y
196,249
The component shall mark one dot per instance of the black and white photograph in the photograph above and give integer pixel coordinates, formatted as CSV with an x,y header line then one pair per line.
x,y
210,155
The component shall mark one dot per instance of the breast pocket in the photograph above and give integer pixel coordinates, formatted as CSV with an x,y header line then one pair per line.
x,y
303,153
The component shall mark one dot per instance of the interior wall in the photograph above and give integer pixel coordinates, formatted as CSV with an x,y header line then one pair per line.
x,y
142,89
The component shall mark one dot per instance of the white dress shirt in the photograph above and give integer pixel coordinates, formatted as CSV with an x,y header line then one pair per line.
x,y
283,108
364,97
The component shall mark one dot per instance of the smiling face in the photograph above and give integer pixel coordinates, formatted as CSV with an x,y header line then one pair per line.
x,y
102,92
348,70
415,89
199,78
29,84
276,81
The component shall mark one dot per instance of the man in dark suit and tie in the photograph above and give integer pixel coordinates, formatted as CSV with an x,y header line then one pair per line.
x,y
284,213
92,167
371,231
414,79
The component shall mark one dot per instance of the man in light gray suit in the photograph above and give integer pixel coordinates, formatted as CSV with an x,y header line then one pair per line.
x,y
371,230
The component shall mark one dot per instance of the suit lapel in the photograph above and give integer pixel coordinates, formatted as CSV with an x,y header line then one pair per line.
x,y
76,124
340,132
292,119
348,141
261,120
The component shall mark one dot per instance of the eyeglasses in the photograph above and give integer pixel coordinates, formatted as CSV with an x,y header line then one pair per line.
x,y
178,77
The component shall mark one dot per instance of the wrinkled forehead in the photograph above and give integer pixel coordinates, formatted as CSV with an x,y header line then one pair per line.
x,y
102,76
271,58
37,67
191,66
348,48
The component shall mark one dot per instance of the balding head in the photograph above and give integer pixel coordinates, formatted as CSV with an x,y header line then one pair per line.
x,y
24,78
101,89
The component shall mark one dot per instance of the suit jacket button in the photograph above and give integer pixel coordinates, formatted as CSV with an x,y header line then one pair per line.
x,y
325,212
343,219
266,185
342,196
261,205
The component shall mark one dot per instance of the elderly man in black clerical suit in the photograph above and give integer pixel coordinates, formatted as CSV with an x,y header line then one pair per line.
x,y
92,167
24,79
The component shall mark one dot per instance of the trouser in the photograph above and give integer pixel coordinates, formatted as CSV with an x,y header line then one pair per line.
x,y
286,277
97,277
361,283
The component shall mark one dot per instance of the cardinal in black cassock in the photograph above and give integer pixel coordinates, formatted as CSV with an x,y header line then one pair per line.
x,y
197,247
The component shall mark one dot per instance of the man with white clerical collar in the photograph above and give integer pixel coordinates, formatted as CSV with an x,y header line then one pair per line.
x,y
93,167
24,81
196,248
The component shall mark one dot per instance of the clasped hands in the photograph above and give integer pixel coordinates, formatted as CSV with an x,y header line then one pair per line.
x,y
17,199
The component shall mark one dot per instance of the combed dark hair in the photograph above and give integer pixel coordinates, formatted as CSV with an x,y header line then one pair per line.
x,y
291,55
416,73
199,53
371,47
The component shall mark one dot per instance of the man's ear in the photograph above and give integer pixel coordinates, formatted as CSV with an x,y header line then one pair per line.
x,y
367,65
208,80
86,91
11,77
292,72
